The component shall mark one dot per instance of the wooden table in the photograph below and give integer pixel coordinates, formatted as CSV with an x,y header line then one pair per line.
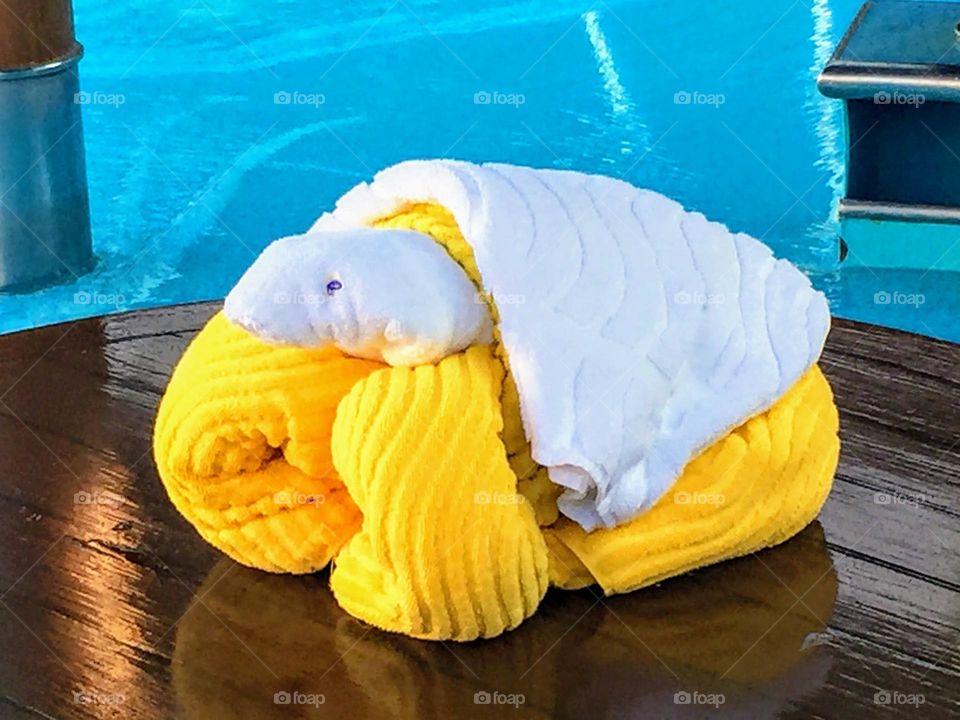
x,y
111,605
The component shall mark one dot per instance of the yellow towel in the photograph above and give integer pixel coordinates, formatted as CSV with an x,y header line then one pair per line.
x,y
242,443
533,482
435,509
448,548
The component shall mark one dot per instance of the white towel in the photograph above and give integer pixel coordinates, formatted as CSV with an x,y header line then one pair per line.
x,y
638,333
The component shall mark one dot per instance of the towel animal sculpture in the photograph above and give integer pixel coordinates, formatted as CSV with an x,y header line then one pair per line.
x,y
468,383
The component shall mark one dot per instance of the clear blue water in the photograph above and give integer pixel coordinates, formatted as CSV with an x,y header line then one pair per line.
x,y
200,167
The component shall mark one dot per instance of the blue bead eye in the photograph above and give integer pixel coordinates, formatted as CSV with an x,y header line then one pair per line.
x,y
333,286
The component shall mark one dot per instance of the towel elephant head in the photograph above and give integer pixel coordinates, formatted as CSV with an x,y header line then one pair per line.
x,y
389,295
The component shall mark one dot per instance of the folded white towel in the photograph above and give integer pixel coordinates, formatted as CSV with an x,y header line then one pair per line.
x,y
638,333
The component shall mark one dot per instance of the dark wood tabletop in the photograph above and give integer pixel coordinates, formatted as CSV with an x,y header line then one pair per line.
x,y
112,606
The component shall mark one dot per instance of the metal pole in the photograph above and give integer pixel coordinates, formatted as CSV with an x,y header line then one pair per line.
x,y
44,207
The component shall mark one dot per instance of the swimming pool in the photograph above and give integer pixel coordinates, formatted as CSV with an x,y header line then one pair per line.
x,y
215,126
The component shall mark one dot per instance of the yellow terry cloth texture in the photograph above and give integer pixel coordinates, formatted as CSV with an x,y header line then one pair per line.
x,y
435,506
448,548
533,482
242,443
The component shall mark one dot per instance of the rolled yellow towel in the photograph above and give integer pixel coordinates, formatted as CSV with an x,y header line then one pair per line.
x,y
533,481
242,444
448,548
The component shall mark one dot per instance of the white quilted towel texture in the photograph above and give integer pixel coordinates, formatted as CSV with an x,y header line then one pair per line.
x,y
638,333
